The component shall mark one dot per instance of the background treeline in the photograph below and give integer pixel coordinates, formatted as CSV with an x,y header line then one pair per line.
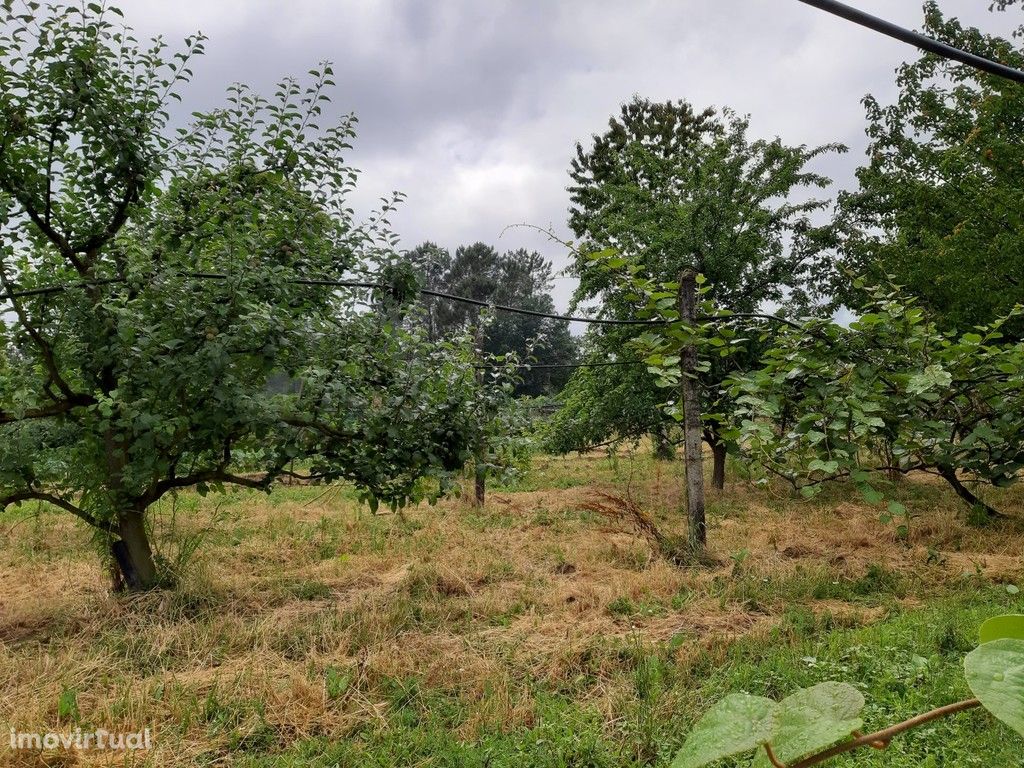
x,y
518,278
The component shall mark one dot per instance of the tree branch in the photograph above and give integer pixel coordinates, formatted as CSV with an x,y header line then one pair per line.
x,y
949,475
45,349
885,735
55,237
20,496
57,409
217,475
91,246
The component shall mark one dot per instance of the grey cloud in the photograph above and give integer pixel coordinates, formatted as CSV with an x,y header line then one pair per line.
x,y
473,108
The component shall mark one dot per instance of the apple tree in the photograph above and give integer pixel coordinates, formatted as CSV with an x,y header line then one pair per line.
x,y
155,279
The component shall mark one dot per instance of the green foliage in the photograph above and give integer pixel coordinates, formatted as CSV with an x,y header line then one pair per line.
x,y
812,719
801,724
738,723
668,187
995,673
604,402
801,727
517,278
891,392
67,705
141,378
938,208
499,427
998,627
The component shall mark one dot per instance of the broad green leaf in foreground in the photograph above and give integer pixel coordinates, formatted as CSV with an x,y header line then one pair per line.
x,y
813,719
995,674
1002,626
738,723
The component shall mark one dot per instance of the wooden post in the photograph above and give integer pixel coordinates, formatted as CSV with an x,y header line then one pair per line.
x,y
689,390
480,489
480,452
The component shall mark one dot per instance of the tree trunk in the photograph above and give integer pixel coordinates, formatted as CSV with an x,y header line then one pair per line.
x,y
718,475
481,485
133,554
949,475
697,532
892,472
663,448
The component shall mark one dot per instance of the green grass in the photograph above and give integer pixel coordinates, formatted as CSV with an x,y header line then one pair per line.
x,y
309,632
906,664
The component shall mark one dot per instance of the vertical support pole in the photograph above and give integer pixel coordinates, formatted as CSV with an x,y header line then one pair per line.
x,y
690,392
480,453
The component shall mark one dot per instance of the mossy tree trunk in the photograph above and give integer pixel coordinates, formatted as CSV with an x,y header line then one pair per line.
x,y
133,553
718,472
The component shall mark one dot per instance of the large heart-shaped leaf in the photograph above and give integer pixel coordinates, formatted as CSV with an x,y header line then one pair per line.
x,y
738,723
995,674
813,719
998,627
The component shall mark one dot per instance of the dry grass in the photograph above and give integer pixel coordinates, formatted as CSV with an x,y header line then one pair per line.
x,y
300,614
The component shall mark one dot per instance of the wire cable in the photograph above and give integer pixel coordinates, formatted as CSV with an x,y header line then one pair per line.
x,y
535,313
543,366
51,289
916,39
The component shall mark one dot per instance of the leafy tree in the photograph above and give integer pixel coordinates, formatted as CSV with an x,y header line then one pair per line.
x,y
501,428
516,278
892,392
141,378
609,403
940,204
667,187
432,263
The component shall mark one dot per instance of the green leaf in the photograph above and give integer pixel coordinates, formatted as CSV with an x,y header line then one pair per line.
x,y
995,674
999,627
896,509
336,682
813,719
738,723
932,377
828,467
871,496
67,705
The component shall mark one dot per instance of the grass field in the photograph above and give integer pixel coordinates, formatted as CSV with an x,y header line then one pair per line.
x,y
541,630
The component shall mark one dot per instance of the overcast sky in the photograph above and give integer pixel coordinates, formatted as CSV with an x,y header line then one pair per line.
x,y
472,108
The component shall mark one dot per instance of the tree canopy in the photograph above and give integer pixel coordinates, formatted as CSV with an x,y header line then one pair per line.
x,y
139,376
518,278
668,187
892,392
939,206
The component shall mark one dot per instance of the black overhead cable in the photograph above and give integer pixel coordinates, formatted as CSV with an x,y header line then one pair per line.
x,y
534,313
291,281
50,289
531,366
916,39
